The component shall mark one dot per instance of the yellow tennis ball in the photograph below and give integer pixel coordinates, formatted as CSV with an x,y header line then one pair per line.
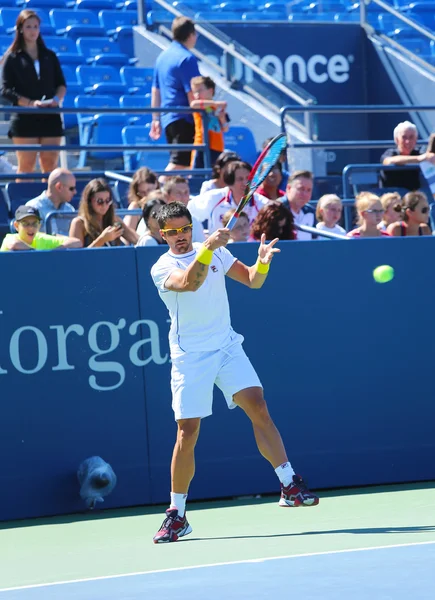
x,y
383,274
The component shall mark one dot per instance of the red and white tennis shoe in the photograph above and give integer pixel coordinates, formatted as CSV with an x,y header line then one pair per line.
x,y
297,494
173,527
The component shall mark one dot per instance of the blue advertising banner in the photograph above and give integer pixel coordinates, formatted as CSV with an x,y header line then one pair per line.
x,y
71,380
85,370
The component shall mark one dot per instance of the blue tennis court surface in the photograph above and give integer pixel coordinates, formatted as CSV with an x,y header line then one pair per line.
x,y
398,572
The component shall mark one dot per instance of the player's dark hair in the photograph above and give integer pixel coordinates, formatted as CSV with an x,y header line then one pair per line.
x,y
182,28
151,209
174,210
230,173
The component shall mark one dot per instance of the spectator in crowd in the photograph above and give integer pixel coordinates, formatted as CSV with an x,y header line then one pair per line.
x,y
212,205
240,231
283,160
414,215
174,70
299,191
276,221
32,77
203,90
389,202
97,224
218,172
61,187
152,236
370,213
27,223
141,229
328,213
176,189
270,188
406,152
144,181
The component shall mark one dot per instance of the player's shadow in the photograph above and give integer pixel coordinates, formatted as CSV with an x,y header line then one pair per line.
x,y
355,531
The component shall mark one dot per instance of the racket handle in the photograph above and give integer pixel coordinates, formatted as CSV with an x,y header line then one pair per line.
x,y
232,221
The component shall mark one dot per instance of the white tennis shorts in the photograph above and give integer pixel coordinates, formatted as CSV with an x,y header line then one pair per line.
x,y
194,374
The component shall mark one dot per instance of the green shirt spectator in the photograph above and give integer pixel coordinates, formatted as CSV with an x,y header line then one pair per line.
x,y
27,223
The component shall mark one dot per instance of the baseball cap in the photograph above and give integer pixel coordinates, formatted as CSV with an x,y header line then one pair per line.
x,y
26,211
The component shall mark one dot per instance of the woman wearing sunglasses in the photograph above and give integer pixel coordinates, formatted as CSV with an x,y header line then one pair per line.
x,y
414,214
97,224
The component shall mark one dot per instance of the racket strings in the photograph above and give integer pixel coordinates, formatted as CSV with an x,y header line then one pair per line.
x,y
269,161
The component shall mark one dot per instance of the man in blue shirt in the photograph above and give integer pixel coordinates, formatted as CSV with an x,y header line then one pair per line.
x,y
61,188
174,70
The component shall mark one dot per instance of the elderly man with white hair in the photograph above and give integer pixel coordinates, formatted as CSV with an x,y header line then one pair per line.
x,y
405,153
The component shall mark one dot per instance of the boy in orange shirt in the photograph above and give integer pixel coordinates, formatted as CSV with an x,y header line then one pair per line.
x,y
203,89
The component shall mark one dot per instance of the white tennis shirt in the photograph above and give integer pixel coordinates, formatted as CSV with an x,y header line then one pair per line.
x,y
200,321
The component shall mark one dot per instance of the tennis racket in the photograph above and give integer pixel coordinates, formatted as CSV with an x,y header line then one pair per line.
x,y
263,166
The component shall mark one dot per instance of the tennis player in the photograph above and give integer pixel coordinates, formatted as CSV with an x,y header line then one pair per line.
x,y
205,350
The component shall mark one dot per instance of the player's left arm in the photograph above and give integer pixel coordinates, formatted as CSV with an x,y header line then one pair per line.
x,y
255,276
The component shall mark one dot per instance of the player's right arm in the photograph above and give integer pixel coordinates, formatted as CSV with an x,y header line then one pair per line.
x,y
191,279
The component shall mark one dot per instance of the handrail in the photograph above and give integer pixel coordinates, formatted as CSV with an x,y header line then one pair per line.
x,y
56,214
320,232
370,167
230,49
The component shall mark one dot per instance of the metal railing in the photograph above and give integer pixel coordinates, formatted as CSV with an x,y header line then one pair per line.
x,y
69,216
321,233
118,148
264,86
393,11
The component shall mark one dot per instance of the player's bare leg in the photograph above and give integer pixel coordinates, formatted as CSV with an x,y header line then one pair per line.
x,y
294,491
175,524
267,436
183,456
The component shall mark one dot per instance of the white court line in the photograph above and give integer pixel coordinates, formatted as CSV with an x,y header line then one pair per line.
x,y
222,564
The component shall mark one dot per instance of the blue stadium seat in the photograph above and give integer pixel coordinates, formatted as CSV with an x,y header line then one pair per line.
x,y
388,23
128,5
138,101
427,19
232,7
419,47
112,21
47,4
137,79
154,17
93,129
325,6
70,75
4,212
76,23
322,16
120,192
5,42
8,17
70,119
101,80
265,16
275,7
95,5
8,3
101,51
20,193
65,49
241,140
133,159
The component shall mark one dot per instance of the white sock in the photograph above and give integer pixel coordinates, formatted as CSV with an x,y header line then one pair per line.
x,y
178,501
285,473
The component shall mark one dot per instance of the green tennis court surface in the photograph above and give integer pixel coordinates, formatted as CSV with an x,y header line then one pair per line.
x,y
112,543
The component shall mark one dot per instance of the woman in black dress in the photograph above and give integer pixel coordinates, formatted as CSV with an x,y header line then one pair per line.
x,y
32,75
